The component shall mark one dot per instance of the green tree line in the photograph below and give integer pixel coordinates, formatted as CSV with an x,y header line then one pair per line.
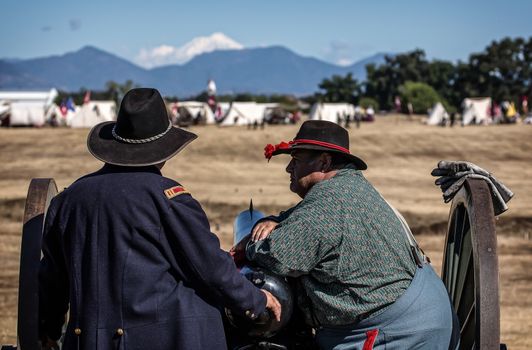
x,y
502,71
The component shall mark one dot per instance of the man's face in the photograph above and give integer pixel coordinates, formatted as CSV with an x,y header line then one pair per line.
x,y
305,170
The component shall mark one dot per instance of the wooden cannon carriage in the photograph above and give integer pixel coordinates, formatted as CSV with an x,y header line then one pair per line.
x,y
470,268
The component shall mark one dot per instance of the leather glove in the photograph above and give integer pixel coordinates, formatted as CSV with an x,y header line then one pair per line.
x,y
452,175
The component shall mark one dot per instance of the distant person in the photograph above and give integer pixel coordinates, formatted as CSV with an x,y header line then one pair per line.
x,y
54,121
444,120
452,118
524,105
174,115
129,253
218,114
360,115
199,118
5,120
496,113
347,120
370,113
410,110
295,117
397,104
511,113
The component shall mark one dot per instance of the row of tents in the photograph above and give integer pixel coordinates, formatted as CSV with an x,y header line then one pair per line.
x,y
30,108
228,113
476,111
38,108
341,113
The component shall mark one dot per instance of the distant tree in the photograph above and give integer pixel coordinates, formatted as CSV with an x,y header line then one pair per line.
x,y
340,89
503,70
366,102
383,81
116,91
420,95
443,77
202,97
287,100
244,97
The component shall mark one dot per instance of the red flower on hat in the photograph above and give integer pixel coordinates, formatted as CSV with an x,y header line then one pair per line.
x,y
269,149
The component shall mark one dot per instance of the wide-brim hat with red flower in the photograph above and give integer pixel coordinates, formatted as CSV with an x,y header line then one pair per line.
x,y
142,134
318,135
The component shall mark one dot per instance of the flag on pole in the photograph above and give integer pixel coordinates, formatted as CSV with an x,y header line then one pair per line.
x,y
63,108
87,97
70,105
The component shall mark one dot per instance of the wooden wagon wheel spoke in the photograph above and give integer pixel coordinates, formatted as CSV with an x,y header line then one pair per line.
x,y
467,298
457,248
470,266
465,269
40,193
468,330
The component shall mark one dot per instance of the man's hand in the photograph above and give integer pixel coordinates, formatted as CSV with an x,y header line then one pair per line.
x,y
238,252
273,304
262,230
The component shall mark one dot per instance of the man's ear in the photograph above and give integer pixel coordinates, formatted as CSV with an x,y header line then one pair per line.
x,y
326,160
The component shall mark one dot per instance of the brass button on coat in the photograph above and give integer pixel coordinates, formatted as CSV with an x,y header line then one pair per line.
x,y
77,331
120,332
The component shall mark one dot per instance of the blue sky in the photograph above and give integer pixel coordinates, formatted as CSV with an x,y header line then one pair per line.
x,y
334,30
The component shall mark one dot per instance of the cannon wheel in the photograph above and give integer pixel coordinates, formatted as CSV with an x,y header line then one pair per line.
x,y
470,269
40,193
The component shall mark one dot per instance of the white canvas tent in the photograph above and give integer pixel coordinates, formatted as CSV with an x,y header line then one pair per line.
x,y
476,110
245,113
196,108
333,112
92,113
44,97
438,115
27,114
27,108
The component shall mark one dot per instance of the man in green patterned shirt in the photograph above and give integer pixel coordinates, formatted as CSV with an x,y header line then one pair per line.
x,y
364,284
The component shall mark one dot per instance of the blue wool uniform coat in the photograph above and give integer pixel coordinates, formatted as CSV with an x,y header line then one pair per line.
x,y
139,270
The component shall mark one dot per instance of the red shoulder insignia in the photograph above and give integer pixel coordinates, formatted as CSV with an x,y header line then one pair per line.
x,y
175,191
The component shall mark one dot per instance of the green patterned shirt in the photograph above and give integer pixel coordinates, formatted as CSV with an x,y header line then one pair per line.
x,y
345,245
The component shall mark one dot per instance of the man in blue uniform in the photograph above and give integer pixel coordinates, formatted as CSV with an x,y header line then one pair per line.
x,y
130,252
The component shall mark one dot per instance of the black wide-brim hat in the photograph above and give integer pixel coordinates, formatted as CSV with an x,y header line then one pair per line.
x,y
142,134
318,135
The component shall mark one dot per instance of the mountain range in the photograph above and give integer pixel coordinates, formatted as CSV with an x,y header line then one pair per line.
x,y
266,70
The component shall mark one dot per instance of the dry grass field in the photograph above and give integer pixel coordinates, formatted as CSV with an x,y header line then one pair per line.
x,y
225,167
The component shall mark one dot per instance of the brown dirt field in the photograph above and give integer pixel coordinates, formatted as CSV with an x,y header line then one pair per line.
x,y
225,167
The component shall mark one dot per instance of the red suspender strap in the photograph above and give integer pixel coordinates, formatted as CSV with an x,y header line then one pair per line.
x,y
370,339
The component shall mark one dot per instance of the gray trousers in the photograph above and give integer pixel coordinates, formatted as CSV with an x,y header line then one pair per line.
x,y
422,318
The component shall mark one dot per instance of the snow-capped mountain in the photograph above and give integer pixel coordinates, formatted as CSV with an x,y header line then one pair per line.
x,y
166,54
